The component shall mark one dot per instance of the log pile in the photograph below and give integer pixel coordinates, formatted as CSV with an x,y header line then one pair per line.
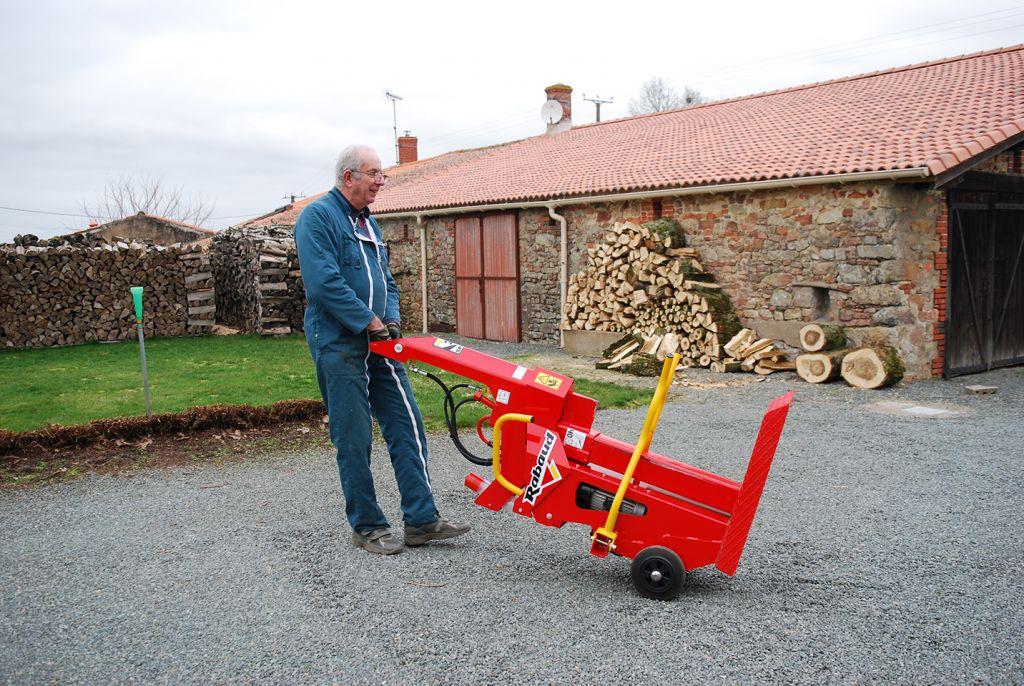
x,y
643,281
71,294
745,352
236,265
257,270
200,294
828,358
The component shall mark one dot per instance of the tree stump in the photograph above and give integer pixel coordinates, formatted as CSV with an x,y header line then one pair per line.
x,y
816,337
820,367
872,367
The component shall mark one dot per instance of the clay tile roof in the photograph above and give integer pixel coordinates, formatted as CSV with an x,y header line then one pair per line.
x,y
931,116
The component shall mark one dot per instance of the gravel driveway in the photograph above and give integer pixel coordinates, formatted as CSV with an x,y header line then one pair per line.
x,y
887,549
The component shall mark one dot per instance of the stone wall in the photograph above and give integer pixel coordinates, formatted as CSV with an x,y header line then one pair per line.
x,y
70,294
863,255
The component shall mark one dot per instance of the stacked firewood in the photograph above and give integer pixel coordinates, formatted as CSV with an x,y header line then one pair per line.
x,y
745,352
200,294
748,353
257,272
828,357
642,280
282,298
71,294
235,263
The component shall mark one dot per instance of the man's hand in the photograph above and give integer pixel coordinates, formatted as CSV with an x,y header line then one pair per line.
x,y
394,330
376,330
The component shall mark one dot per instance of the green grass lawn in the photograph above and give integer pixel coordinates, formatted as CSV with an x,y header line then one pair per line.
x,y
80,383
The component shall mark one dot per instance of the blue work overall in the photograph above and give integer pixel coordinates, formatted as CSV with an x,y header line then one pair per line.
x,y
345,272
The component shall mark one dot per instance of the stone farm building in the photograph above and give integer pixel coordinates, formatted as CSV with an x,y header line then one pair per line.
x,y
890,202
148,227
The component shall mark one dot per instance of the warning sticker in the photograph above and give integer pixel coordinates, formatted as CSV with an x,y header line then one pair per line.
x,y
575,438
448,345
519,373
503,397
548,380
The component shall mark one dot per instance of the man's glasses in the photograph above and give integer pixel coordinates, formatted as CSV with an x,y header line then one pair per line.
x,y
375,174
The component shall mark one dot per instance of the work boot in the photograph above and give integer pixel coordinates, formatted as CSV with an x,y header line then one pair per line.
x,y
380,541
435,531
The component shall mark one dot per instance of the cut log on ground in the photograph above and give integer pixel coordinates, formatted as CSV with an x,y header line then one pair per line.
x,y
821,367
872,367
817,337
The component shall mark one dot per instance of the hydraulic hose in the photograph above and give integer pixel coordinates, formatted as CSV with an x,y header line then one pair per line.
x,y
451,409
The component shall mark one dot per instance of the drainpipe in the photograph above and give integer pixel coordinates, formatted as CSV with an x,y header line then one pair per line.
x,y
563,274
423,268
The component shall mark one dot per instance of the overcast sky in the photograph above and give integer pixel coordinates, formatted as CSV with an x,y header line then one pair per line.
x,y
244,102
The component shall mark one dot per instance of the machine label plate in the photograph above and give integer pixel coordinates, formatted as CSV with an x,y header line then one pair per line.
x,y
519,373
502,396
575,438
544,468
448,345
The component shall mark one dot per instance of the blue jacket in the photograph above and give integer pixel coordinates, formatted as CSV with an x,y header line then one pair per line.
x,y
345,272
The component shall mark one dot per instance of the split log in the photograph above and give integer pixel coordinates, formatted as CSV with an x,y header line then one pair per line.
x,y
645,365
817,337
820,367
872,367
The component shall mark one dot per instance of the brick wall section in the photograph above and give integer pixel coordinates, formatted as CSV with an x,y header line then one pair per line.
x,y
941,255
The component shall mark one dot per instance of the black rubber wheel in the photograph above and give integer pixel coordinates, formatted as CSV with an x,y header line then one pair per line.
x,y
657,573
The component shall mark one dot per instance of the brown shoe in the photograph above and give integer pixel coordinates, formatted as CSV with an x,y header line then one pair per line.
x,y
380,541
435,531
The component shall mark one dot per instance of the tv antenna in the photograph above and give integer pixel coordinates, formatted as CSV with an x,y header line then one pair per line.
x,y
394,114
598,102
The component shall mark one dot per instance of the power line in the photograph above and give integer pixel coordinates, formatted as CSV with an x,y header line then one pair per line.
x,y
86,216
58,214
898,47
850,45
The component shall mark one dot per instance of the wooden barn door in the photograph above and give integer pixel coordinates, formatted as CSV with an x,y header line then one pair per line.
x,y
487,277
985,323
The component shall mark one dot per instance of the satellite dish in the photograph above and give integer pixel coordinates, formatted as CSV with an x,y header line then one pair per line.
x,y
551,112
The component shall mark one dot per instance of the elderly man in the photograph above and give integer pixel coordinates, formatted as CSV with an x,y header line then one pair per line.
x,y
352,299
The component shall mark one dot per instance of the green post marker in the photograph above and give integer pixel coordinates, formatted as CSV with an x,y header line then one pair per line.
x,y
137,297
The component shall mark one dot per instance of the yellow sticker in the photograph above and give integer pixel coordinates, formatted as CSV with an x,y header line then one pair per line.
x,y
548,380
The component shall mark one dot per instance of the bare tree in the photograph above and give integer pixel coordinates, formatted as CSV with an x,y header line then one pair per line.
x,y
127,195
657,96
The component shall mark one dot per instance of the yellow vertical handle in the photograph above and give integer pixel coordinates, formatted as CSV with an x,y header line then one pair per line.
x,y
607,532
496,452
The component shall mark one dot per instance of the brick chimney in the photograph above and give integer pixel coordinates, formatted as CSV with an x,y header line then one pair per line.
x,y
407,149
562,94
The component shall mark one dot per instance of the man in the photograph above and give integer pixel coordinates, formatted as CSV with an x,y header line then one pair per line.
x,y
351,299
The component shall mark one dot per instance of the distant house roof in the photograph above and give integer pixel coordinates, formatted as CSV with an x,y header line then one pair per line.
x,y
932,116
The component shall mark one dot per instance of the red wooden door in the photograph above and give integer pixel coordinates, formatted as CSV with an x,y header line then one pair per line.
x,y
487,277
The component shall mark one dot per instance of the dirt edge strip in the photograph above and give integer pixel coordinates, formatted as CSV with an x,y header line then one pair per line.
x,y
55,436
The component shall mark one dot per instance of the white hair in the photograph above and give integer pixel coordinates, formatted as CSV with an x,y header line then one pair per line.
x,y
349,159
